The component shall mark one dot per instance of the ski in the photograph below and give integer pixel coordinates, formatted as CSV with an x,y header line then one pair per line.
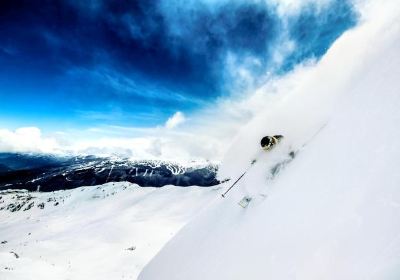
x,y
244,202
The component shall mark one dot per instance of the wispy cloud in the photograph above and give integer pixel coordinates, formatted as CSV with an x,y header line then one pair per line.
x,y
177,119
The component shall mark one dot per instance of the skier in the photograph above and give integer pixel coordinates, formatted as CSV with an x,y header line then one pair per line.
x,y
268,142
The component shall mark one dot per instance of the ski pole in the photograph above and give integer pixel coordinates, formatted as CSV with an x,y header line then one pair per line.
x,y
223,195
238,179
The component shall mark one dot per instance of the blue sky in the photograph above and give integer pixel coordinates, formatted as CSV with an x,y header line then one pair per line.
x,y
80,64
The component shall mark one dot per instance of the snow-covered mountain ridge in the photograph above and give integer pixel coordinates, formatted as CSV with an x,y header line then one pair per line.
x,y
334,211
51,173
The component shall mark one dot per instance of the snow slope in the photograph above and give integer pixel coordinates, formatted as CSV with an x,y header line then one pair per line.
x,y
98,232
333,212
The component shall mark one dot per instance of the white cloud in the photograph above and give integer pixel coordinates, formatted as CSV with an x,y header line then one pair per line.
x,y
26,139
175,120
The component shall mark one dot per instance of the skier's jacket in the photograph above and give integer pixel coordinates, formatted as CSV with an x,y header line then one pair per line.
x,y
268,142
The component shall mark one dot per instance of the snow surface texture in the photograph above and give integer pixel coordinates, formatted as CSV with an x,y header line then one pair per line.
x,y
99,232
333,212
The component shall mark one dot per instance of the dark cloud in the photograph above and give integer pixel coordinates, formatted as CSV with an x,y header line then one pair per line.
x,y
315,31
174,45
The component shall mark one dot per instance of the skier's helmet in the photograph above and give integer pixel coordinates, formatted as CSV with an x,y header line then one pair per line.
x,y
266,141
